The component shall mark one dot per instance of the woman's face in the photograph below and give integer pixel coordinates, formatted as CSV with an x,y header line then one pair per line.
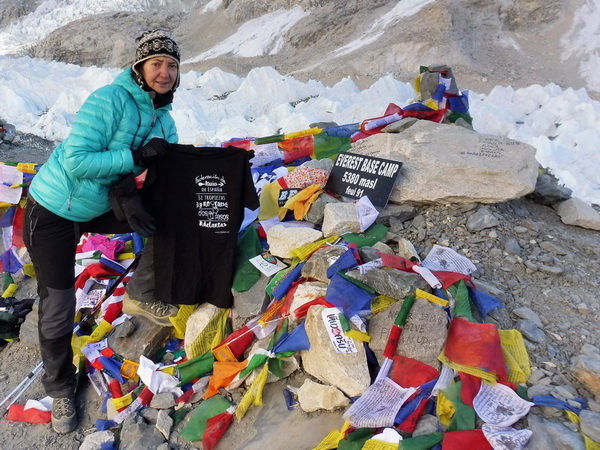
x,y
160,73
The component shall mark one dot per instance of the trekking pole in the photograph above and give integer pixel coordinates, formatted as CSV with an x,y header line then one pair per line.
x,y
109,292
28,380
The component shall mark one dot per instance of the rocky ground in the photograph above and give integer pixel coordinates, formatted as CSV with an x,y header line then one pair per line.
x,y
545,272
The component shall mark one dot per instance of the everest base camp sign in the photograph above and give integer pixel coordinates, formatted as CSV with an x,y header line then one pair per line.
x,y
356,176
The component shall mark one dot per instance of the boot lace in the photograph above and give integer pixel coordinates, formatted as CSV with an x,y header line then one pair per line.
x,y
63,407
158,308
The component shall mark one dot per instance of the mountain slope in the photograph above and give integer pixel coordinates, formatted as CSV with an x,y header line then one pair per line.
x,y
512,42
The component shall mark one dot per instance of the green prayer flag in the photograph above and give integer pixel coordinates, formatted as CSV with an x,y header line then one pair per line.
x,y
195,367
196,426
246,275
424,442
464,416
356,439
369,237
462,305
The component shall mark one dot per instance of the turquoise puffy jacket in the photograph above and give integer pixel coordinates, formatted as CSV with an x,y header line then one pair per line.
x,y
115,119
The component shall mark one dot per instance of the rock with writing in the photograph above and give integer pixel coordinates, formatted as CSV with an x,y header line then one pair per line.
x,y
423,335
346,371
449,164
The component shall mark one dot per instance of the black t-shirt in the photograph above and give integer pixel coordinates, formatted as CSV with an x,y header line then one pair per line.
x,y
197,196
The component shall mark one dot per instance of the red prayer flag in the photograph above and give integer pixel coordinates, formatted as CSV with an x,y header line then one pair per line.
x,y
475,345
215,429
18,413
461,440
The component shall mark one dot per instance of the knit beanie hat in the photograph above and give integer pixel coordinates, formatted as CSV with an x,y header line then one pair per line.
x,y
150,45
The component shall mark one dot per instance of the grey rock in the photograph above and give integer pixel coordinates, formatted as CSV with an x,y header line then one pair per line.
x,y
553,270
563,393
590,350
400,125
124,330
368,254
577,212
314,397
136,434
95,440
512,246
427,424
552,435
551,247
391,282
150,415
590,424
541,389
316,266
164,423
163,400
531,331
424,334
407,250
317,210
340,218
401,213
482,219
527,313
253,301
548,191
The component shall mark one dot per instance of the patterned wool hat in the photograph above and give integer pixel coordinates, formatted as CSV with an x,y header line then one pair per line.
x,y
152,44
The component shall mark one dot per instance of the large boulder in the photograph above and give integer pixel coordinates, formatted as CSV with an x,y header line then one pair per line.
x,y
449,164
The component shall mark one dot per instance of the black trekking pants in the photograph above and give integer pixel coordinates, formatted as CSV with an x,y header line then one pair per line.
x,y
52,241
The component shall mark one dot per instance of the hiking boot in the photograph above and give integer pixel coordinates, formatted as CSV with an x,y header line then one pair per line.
x,y
64,415
156,312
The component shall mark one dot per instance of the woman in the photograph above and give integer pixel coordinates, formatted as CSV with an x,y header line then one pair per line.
x,y
121,128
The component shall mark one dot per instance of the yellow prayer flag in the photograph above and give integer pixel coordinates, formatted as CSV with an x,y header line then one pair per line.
x,y
358,335
180,320
432,298
381,303
212,335
475,371
10,290
515,355
305,251
331,441
445,409
254,395
122,402
101,330
309,132
374,444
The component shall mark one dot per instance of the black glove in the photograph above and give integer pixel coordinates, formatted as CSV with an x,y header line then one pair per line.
x,y
12,315
127,206
149,153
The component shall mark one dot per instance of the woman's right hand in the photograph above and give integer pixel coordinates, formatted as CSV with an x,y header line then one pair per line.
x,y
148,154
